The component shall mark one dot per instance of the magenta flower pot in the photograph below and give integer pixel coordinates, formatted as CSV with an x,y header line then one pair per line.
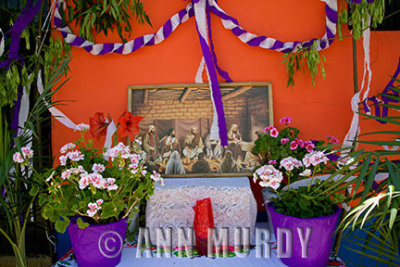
x,y
319,243
98,245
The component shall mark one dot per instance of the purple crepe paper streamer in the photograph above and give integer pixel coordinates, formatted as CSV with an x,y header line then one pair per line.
x,y
216,93
221,72
386,100
331,15
26,16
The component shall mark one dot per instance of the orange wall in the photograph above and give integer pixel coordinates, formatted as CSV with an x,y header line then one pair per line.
x,y
99,83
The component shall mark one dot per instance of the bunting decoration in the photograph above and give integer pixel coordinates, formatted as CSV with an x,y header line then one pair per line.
x,y
201,9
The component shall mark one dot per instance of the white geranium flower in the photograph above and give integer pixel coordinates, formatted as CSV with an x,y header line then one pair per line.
x,y
306,172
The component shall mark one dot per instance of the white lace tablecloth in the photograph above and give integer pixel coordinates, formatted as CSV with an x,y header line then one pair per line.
x,y
232,201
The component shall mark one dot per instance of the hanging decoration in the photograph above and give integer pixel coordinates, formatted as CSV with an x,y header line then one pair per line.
x,y
388,95
201,10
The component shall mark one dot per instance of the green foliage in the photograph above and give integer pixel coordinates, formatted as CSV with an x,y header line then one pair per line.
x,y
308,202
15,181
94,16
295,62
378,211
360,13
75,187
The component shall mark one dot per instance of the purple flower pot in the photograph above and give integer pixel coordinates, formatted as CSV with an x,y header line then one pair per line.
x,y
319,242
98,245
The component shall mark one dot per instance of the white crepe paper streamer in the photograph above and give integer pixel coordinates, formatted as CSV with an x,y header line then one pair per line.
x,y
200,70
57,114
394,148
24,110
354,130
367,60
110,131
201,20
1,43
354,126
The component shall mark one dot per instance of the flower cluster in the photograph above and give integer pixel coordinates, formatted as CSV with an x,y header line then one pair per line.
x,y
27,153
289,154
269,176
92,176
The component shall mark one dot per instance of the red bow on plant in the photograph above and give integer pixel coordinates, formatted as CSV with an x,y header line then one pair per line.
x,y
99,124
129,125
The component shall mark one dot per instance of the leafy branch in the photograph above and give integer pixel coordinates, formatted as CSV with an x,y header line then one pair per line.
x,y
94,17
314,62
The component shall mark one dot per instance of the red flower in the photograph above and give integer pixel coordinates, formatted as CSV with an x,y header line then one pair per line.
x,y
99,124
129,125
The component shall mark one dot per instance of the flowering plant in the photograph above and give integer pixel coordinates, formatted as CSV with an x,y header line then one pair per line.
x,y
286,156
289,154
99,186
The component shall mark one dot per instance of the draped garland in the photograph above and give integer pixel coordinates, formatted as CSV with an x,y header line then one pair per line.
x,y
201,9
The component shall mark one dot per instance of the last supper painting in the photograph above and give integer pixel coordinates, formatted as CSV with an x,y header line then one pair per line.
x,y
176,129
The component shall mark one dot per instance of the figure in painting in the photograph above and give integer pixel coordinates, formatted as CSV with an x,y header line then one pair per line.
x,y
193,144
151,144
174,165
228,164
169,144
235,141
201,165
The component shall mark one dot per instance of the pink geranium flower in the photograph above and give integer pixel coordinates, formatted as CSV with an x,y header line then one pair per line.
x,y
266,129
274,132
293,145
285,120
284,140
332,139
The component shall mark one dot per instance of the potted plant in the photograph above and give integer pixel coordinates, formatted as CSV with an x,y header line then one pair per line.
x,y
94,192
289,161
274,145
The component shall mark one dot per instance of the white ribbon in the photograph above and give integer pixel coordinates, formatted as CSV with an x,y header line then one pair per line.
x,y
110,131
394,148
1,43
24,110
61,117
57,114
367,60
354,130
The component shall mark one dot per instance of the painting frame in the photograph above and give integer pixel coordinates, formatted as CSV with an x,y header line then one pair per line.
x,y
179,106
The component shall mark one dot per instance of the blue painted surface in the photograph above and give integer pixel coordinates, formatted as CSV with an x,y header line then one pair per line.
x,y
63,244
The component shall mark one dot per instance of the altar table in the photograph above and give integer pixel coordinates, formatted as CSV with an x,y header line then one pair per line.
x,y
232,201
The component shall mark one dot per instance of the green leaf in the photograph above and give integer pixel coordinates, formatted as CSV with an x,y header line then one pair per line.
x,y
61,225
82,224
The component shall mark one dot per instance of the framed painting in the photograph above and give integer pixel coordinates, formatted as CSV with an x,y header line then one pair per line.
x,y
175,131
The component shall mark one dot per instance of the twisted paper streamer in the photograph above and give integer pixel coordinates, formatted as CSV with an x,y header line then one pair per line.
x,y
183,15
266,42
62,118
